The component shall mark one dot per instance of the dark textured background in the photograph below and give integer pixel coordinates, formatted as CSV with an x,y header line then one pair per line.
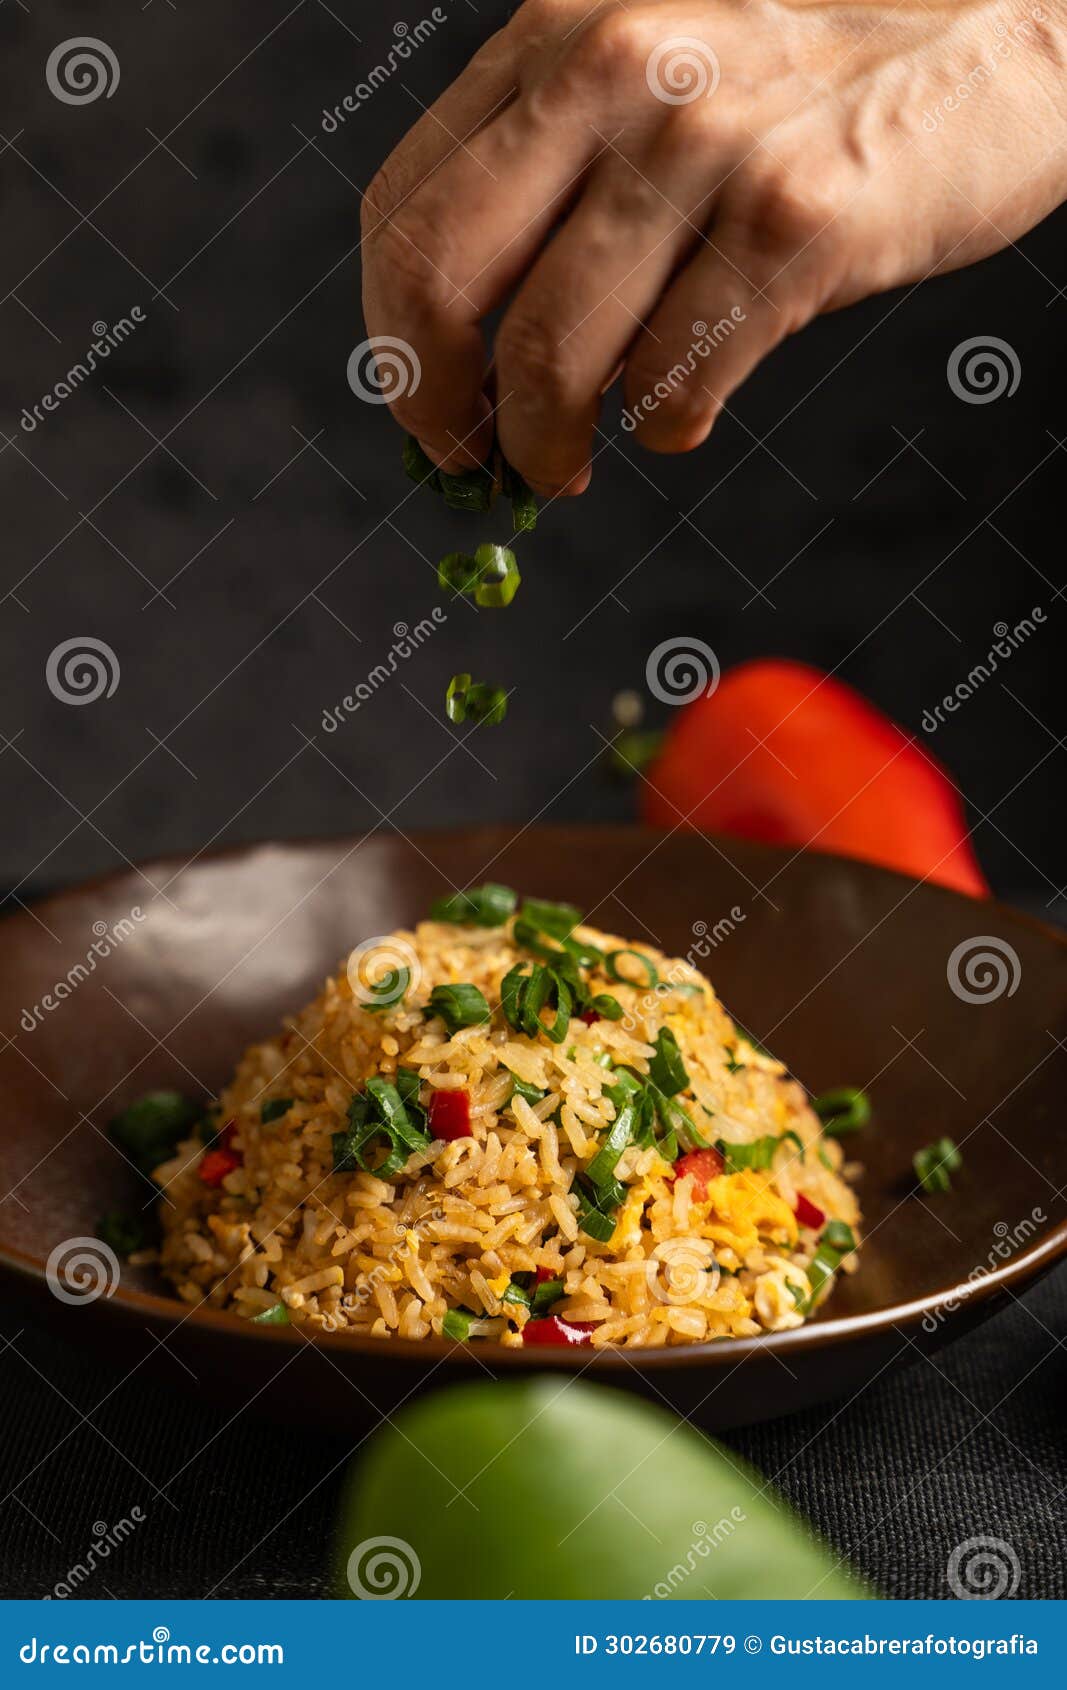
x,y
247,580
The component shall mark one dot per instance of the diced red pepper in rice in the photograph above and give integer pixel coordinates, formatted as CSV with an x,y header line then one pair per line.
x,y
553,1330
807,1213
450,1114
702,1166
216,1164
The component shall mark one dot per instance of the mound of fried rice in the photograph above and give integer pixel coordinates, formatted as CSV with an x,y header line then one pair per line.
x,y
689,1259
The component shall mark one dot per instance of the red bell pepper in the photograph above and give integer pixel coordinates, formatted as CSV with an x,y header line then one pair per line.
x,y
450,1114
807,1213
553,1330
216,1164
703,1165
783,753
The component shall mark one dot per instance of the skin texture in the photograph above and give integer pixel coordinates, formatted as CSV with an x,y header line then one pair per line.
x,y
828,152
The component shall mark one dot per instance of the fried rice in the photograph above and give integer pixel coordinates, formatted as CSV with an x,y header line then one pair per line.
x,y
718,1209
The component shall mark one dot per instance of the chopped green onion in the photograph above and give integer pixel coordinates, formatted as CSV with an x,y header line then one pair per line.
x,y
522,1088
935,1162
379,1112
677,1124
459,1006
797,1140
457,572
274,1109
276,1316
467,490
498,577
544,1295
839,1236
475,701
123,1233
592,1218
527,936
584,954
557,920
620,1137
409,1085
546,987
150,1128
516,1293
480,906
732,1064
418,466
666,1070
456,698
613,967
844,1110
457,1324
512,990
825,1160
523,502
757,1155
391,989
607,1006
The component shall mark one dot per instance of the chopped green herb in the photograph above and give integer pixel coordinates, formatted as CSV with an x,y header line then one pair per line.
x,y
839,1236
418,466
611,963
475,701
544,1295
457,1324
457,572
459,1006
409,1085
844,1110
592,1213
467,490
797,1140
825,1160
666,1070
523,501
274,1109
607,1006
732,1064
379,1112
557,920
522,1088
123,1233
620,1136
150,1128
480,906
516,1293
498,577
276,1316
935,1162
757,1155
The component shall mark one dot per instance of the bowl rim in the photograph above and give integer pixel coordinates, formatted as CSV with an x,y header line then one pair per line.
x,y
1041,1253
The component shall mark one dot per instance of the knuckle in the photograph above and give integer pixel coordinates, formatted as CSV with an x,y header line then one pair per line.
x,y
414,278
532,360
774,211
612,46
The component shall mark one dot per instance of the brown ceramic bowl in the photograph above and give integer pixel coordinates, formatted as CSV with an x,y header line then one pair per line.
x,y
842,969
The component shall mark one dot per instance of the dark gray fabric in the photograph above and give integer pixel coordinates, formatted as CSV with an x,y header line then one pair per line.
x,y
972,1444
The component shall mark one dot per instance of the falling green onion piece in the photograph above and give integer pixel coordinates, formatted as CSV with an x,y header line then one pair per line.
x,y
498,577
844,1110
457,572
481,906
456,698
459,1006
475,701
632,752
934,1163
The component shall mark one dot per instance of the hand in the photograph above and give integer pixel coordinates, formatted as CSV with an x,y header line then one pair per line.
x,y
623,174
